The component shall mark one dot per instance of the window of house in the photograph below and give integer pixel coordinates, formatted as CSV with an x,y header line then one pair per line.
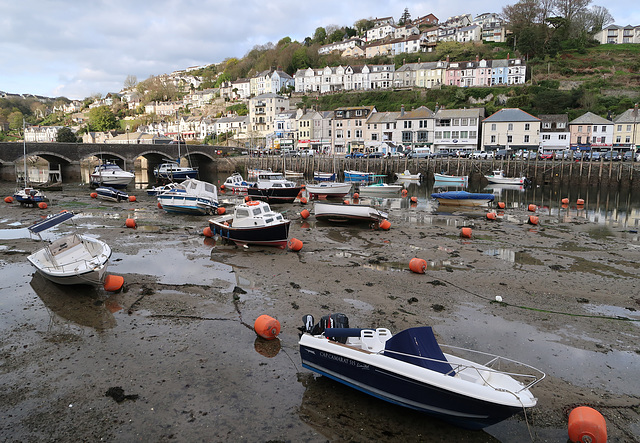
x,y
464,121
579,128
374,137
627,139
619,127
628,127
472,121
526,139
595,129
456,122
618,139
358,133
579,140
527,126
493,126
423,136
348,133
455,134
406,136
358,112
510,127
562,137
339,133
593,140
493,139
604,129
560,125
407,124
509,138
546,137
546,125
446,134
464,134
438,134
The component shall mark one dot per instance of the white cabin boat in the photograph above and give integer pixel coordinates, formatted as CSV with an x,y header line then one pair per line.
x,y
190,197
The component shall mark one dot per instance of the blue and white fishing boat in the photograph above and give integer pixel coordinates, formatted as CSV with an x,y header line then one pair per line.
x,y
235,183
454,179
111,194
190,197
463,198
358,176
157,190
467,388
324,176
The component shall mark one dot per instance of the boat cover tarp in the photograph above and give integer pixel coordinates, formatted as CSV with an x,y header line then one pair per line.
x,y
343,332
419,342
50,222
463,195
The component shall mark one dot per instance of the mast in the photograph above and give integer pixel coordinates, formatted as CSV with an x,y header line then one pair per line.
x,y
24,148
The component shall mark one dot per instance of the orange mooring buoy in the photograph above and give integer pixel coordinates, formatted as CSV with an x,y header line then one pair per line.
x,y
414,199
130,223
247,198
207,232
587,425
418,265
356,196
580,201
159,205
501,205
42,205
294,244
305,214
132,198
404,192
303,200
532,208
385,225
94,195
113,283
220,210
8,199
465,232
565,201
491,215
267,327
533,220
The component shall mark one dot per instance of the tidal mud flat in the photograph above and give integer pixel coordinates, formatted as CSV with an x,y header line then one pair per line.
x,y
177,340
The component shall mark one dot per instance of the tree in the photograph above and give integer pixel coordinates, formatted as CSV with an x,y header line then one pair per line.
x,y
130,82
363,25
319,35
102,119
571,10
66,135
16,118
405,18
598,18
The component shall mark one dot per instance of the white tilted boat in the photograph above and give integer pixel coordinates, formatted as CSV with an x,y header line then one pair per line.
x,y
111,175
190,197
328,189
70,260
341,213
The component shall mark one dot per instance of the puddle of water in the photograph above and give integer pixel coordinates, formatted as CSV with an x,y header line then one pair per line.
x,y
472,328
614,311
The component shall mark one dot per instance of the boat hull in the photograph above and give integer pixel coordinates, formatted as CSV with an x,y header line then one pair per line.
x,y
462,198
113,182
357,176
395,387
273,235
506,180
324,176
450,178
329,190
338,213
111,194
275,195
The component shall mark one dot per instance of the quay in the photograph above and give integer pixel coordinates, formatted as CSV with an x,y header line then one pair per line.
x,y
67,158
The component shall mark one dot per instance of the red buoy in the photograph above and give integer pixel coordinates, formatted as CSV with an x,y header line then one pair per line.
x,y
501,205
305,214
465,232
587,425
94,195
418,265
565,201
532,208
580,201
294,244
130,223
159,205
267,327
385,225
533,220
491,215
42,205
113,283
414,199
404,192
220,210
247,198
207,232
132,198
8,199
303,200
356,195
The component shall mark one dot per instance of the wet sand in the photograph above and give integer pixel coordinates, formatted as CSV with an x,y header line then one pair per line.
x,y
178,336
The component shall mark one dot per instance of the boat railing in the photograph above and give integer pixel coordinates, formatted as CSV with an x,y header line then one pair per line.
x,y
494,365
528,380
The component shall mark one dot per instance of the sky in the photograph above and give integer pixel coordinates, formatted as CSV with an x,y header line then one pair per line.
x,y
78,49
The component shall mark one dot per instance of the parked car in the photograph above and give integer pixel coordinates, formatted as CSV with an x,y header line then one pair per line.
x,y
502,154
307,153
546,155
354,155
478,154
627,156
289,153
376,154
594,156
441,154
612,156
418,154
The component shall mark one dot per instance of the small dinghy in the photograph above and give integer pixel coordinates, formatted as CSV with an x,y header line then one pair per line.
x,y
70,260
410,369
112,194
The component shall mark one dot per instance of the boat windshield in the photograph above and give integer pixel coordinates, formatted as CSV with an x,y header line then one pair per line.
x,y
418,346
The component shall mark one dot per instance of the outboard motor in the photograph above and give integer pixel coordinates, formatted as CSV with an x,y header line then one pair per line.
x,y
307,321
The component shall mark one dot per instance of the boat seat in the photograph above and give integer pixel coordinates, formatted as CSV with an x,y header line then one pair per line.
x,y
370,340
383,335
63,244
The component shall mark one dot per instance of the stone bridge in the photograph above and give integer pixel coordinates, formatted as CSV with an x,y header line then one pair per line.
x,y
67,157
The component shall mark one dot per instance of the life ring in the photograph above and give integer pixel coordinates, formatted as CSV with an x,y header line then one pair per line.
x,y
252,203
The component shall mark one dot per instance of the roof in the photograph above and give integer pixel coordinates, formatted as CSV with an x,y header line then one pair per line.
x,y
418,113
511,115
456,113
383,117
589,118
628,116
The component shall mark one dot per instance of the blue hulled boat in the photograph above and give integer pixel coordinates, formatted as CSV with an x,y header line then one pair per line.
x,y
463,198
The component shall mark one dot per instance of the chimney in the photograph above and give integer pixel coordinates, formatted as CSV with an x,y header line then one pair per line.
x,y
447,58
477,58
401,110
507,56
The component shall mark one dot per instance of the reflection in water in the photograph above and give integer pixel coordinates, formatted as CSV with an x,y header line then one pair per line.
x,y
80,304
268,348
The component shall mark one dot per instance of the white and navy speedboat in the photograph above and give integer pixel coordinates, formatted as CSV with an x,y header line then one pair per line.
x,y
190,197
70,260
29,196
111,194
110,174
174,172
252,222
410,369
272,187
235,183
